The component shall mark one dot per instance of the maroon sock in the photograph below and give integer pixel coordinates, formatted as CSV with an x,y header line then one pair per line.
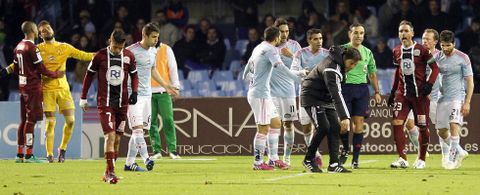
x,y
399,137
109,157
115,156
21,134
424,140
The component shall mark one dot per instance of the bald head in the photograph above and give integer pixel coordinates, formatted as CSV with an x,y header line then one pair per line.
x,y
29,27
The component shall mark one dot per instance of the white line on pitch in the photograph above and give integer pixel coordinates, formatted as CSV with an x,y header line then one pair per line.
x,y
193,159
288,176
368,161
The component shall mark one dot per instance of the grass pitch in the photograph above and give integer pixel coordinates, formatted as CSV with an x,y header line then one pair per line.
x,y
234,175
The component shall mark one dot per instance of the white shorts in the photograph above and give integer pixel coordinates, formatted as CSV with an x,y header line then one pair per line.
x,y
286,108
448,112
263,110
304,118
140,113
432,114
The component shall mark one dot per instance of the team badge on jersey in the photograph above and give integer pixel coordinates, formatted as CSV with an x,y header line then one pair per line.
x,y
115,75
126,59
416,52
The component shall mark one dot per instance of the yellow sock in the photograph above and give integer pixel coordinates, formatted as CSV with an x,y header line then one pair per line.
x,y
50,135
67,131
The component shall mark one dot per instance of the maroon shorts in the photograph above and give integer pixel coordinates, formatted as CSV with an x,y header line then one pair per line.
x,y
419,105
31,105
113,119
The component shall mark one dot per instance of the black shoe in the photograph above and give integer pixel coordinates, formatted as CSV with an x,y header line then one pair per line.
x,y
61,155
355,165
343,157
311,166
336,168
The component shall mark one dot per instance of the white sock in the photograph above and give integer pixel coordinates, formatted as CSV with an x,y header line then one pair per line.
x,y
445,145
132,151
413,136
141,145
288,138
455,144
259,144
307,137
273,137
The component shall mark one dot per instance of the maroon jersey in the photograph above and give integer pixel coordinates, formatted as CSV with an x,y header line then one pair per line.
x,y
29,67
112,74
411,74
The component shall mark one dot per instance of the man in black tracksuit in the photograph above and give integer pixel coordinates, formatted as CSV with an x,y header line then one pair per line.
x,y
322,98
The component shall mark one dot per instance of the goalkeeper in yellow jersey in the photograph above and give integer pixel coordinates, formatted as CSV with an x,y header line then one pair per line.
x,y
57,91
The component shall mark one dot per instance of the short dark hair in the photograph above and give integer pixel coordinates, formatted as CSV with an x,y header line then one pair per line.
x,y
447,36
43,22
280,21
190,26
406,22
118,36
356,24
27,27
149,28
160,11
312,31
352,53
271,33
435,33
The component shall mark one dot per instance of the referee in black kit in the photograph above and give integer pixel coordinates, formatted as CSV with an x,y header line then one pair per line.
x,y
322,98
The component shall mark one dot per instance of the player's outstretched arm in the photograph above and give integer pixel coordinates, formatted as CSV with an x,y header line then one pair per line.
x,y
156,76
49,73
79,54
468,96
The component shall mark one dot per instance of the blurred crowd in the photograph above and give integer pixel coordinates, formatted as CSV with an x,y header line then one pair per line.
x,y
199,43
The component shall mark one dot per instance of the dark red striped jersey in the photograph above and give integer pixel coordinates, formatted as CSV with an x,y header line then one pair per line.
x,y
112,74
29,66
412,74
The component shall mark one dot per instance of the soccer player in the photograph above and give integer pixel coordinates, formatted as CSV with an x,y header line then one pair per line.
x,y
265,57
113,65
306,59
356,93
413,87
57,91
28,64
283,97
162,103
322,99
429,40
456,95
139,114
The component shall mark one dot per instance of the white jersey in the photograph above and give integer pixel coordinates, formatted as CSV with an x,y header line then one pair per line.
x,y
281,84
264,58
145,63
306,59
454,69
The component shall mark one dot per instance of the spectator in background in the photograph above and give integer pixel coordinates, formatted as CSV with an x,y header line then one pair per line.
x,y
335,33
385,14
81,66
245,15
137,31
121,20
475,59
435,18
470,37
4,91
310,18
212,52
299,35
177,14
169,33
364,16
203,25
253,41
292,25
186,48
405,13
342,13
267,21
383,55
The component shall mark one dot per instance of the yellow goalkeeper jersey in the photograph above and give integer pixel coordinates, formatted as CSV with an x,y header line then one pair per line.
x,y
54,57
